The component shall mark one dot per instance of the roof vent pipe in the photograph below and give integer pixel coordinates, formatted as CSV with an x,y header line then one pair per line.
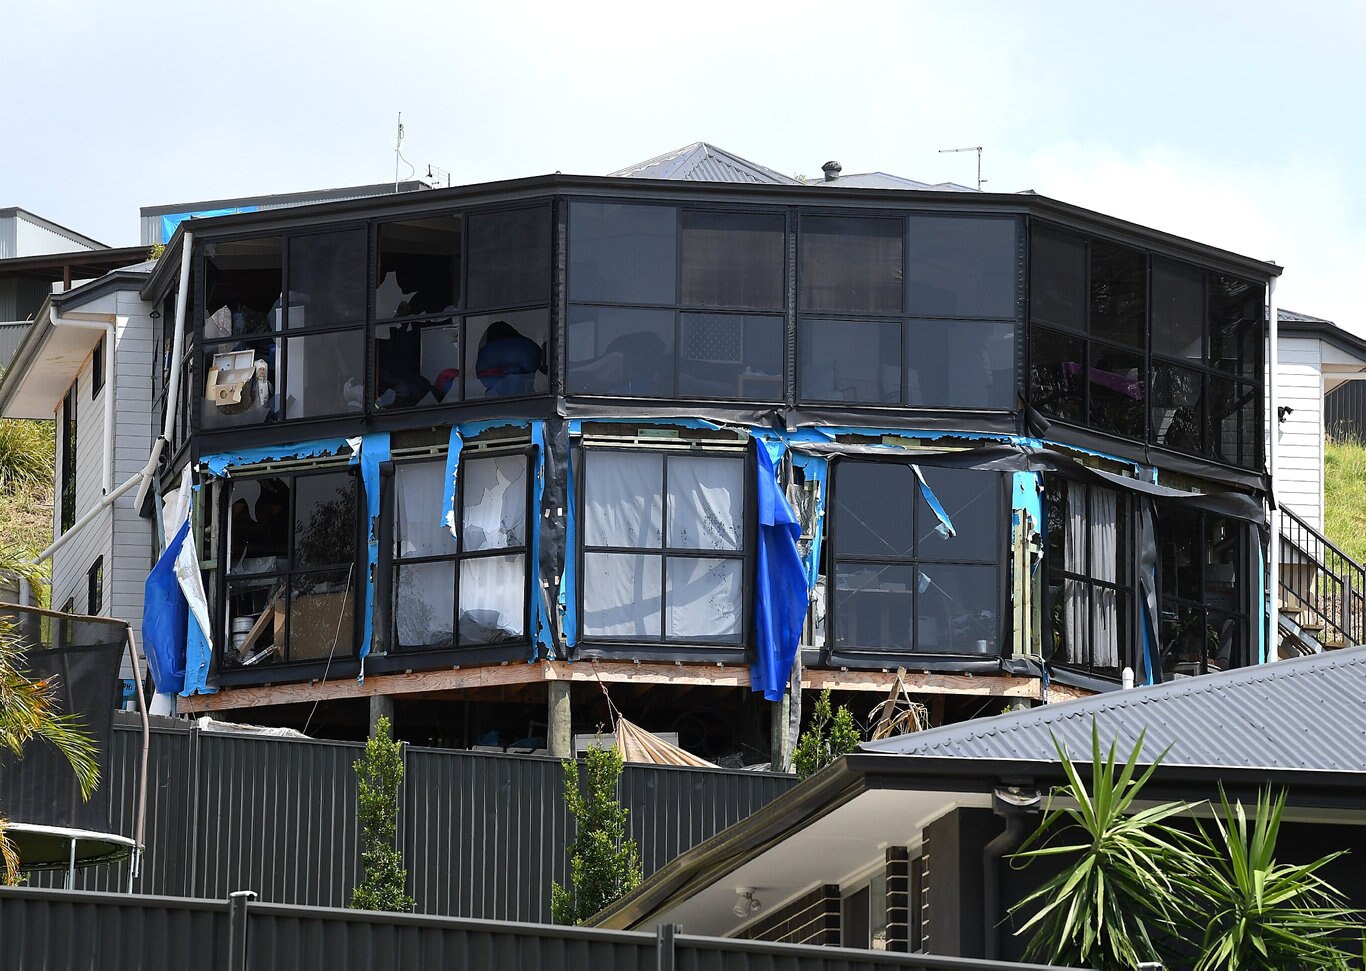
x,y
831,170
1127,678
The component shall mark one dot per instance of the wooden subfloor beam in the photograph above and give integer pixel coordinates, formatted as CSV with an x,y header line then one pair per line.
x,y
434,684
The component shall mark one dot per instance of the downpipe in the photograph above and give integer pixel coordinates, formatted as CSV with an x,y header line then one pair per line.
x,y
1019,806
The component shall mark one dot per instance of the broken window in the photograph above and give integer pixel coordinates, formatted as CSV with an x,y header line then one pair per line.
x,y
292,581
1090,578
1203,592
418,267
506,354
664,547
924,578
467,590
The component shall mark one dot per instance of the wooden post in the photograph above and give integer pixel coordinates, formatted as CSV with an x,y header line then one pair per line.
x,y
780,749
559,738
381,706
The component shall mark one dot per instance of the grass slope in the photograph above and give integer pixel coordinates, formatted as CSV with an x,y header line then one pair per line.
x,y
27,461
1344,496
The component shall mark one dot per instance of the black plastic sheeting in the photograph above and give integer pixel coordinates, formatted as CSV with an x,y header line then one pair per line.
x,y
81,658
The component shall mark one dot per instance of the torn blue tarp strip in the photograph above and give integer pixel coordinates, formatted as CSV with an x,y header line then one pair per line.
x,y
448,517
198,656
165,619
578,423
1025,493
568,598
815,468
542,634
781,592
219,463
945,527
170,220
374,452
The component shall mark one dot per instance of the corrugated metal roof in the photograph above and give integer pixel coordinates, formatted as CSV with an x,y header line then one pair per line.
x,y
1305,714
703,162
885,180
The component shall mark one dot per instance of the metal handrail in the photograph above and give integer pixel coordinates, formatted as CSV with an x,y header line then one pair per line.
x,y
1318,579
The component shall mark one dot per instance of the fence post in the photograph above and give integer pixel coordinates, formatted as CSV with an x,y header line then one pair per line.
x,y
664,946
237,929
1348,630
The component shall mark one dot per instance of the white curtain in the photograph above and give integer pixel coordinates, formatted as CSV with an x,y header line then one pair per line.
x,y
495,499
703,595
623,499
423,604
492,599
621,594
706,502
1098,522
418,495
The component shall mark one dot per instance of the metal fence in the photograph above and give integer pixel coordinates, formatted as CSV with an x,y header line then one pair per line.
x,y
71,931
484,835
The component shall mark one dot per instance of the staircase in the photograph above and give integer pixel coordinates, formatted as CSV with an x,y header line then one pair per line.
x,y
1322,592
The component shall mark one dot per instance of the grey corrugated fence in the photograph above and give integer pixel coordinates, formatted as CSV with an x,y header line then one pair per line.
x,y
483,835
72,931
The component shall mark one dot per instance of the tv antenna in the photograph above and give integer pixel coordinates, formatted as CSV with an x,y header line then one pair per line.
x,y
970,148
435,174
398,154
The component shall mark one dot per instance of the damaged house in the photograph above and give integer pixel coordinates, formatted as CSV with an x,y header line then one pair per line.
x,y
495,450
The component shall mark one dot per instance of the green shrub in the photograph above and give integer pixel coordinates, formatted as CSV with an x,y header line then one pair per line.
x,y
604,864
826,738
380,773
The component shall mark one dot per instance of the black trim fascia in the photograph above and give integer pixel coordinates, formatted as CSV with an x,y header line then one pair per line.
x,y
338,668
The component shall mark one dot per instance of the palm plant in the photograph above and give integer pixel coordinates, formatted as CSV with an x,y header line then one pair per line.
x,y
1261,913
1120,885
28,710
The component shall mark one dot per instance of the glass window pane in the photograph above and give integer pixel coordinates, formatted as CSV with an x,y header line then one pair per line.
x,y
242,284
1056,362
1057,279
864,493
850,264
256,622
417,363
239,384
617,351
1117,380
327,279
492,599
424,605
957,609
258,526
1119,292
1178,407
961,267
703,597
325,375
1234,433
960,364
621,594
509,257
874,607
623,499
1237,312
1179,535
622,254
324,519
495,499
706,502
322,616
1178,310
850,360
419,488
972,501
731,356
733,259
506,354
419,267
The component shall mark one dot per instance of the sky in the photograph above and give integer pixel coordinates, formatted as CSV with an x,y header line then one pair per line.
x,y
1234,124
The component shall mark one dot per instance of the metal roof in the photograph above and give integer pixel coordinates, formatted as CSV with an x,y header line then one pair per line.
x,y
1307,714
885,180
704,162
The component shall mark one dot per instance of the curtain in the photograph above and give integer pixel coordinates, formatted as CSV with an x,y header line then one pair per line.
x,y
706,499
418,491
492,599
621,594
494,514
623,499
1104,566
1075,633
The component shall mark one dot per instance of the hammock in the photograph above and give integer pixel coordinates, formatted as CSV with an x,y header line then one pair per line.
x,y
635,744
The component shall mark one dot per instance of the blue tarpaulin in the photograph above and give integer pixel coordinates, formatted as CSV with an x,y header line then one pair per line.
x,y
457,443
218,464
170,221
781,593
165,620
374,451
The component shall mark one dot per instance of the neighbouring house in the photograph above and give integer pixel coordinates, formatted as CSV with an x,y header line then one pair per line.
x,y
902,844
491,450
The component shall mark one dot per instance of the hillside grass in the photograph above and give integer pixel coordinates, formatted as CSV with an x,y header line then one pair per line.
x,y
1344,496
27,463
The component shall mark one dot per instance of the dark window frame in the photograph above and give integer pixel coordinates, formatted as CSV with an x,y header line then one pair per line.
x,y
69,445
94,586
1126,587
833,560
676,648
224,578
1171,606
97,369
679,308
394,562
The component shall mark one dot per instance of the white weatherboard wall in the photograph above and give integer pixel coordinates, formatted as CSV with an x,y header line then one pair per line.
x,y
1299,385
120,535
